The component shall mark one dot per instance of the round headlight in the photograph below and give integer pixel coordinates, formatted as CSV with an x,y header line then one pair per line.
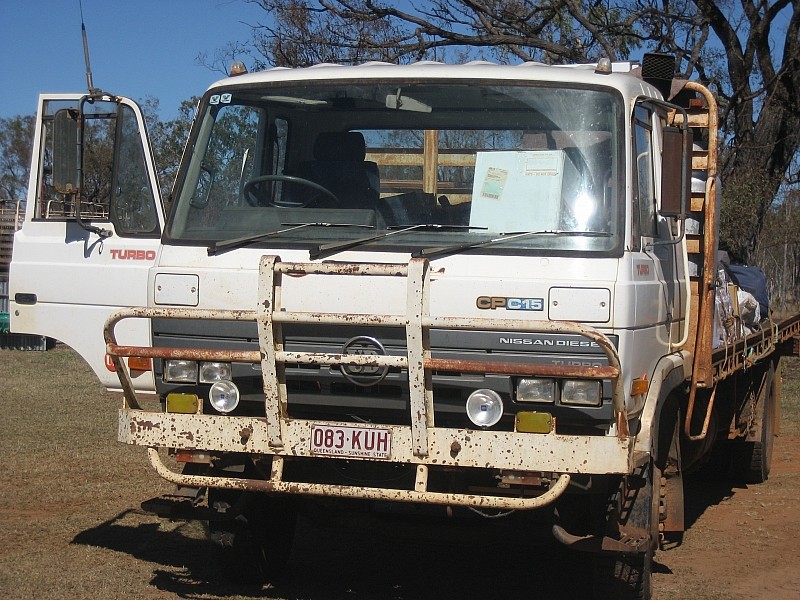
x,y
224,396
484,407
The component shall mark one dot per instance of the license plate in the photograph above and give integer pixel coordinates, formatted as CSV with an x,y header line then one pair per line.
x,y
351,442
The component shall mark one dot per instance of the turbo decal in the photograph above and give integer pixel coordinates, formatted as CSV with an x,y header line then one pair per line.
x,y
117,254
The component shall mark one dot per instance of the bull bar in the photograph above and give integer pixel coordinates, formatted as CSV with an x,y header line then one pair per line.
x,y
421,444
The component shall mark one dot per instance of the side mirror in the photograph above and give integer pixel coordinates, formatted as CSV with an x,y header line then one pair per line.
x,y
676,172
202,194
69,131
66,158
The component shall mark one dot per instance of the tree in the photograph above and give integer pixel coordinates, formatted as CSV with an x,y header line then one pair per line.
x,y
747,52
168,138
737,51
16,140
779,251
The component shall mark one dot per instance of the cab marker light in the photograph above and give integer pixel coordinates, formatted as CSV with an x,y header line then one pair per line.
x,y
640,386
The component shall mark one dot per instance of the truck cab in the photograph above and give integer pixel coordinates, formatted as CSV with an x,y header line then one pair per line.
x,y
511,184
473,276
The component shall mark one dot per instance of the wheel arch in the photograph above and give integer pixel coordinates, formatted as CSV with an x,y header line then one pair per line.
x,y
662,405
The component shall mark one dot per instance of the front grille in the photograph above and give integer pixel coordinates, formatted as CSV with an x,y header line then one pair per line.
x,y
324,392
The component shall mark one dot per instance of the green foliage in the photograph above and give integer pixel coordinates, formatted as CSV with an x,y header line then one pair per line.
x,y
742,215
16,140
168,138
778,253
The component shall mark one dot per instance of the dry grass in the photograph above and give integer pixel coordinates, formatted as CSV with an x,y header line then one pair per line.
x,y
69,493
70,526
790,406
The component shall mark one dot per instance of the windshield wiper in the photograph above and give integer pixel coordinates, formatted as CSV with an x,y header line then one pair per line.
x,y
503,237
226,245
325,250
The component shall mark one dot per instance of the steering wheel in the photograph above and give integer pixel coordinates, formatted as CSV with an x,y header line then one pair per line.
x,y
252,198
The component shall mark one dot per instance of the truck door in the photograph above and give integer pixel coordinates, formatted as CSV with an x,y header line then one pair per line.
x,y
93,222
658,266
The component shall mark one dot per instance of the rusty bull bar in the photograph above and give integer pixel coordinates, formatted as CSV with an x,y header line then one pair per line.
x,y
421,443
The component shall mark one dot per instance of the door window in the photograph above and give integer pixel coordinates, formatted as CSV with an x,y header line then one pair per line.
x,y
132,208
82,177
645,224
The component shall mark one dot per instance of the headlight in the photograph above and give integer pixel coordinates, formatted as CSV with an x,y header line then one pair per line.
x,y
581,392
180,371
536,390
224,396
484,407
214,371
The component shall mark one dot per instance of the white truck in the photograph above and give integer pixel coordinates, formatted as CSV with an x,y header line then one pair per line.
x,y
475,285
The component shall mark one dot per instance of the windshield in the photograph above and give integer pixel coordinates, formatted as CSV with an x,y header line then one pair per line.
x,y
466,162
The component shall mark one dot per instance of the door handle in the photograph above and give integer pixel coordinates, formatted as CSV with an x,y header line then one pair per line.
x,y
28,299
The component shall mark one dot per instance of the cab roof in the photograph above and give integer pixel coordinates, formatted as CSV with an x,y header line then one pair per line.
x,y
624,76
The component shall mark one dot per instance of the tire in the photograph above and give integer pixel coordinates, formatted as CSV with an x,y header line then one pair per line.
x,y
254,546
752,461
629,576
623,577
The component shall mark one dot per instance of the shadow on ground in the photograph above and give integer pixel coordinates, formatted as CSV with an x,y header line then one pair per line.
x,y
358,556
708,487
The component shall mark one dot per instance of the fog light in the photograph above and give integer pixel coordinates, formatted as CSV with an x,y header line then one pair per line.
x,y
533,422
484,407
536,390
180,371
182,403
214,371
224,396
581,392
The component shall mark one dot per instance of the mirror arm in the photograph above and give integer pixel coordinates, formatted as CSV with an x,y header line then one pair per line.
x,y
681,220
103,233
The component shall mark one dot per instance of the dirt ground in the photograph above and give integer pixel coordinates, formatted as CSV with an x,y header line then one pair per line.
x,y
71,524
741,542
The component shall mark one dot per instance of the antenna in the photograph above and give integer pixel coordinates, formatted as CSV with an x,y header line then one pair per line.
x,y
93,91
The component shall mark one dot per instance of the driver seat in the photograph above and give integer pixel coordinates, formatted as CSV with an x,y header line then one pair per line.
x,y
339,166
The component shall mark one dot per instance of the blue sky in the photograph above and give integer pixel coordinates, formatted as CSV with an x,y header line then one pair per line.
x,y
138,48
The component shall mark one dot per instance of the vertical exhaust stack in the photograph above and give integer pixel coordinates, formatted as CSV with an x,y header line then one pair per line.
x,y
659,71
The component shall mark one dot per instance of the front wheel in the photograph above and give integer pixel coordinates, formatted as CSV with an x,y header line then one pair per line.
x,y
256,543
623,577
619,576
